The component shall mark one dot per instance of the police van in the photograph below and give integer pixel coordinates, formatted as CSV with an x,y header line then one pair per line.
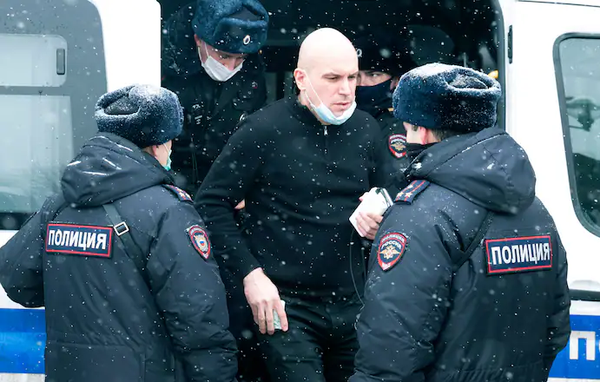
x,y
57,57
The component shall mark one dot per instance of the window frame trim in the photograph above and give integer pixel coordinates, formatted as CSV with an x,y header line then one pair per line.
x,y
562,104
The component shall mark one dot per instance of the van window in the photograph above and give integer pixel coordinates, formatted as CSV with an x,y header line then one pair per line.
x,y
34,60
49,84
37,145
578,76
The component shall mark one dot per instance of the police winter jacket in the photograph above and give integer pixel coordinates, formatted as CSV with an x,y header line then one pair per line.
x,y
393,142
212,109
503,315
301,182
109,315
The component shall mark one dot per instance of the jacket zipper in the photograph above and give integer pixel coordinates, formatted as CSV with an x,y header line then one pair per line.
x,y
325,133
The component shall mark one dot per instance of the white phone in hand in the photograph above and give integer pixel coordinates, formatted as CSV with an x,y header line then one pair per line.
x,y
377,201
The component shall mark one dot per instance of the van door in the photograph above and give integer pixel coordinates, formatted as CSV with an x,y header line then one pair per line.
x,y
553,97
52,70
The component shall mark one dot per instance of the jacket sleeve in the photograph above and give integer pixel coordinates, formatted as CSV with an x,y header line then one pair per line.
x,y
559,328
21,264
227,183
405,306
190,294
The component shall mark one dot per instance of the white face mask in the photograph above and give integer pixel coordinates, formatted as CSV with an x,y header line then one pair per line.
x,y
325,113
215,69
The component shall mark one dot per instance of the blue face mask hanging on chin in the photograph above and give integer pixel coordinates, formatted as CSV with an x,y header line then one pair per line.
x,y
325,114
168,165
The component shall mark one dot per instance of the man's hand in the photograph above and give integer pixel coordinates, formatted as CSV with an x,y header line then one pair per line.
x,y
263,297
241,205
368,223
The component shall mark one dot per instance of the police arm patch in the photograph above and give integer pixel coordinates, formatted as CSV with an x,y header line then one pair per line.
x,y
181,195
397,145
390,251
519,254
84,240
199,240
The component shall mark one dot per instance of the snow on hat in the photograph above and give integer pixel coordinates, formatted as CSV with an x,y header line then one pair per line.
x,y
233,26
447,97
143,114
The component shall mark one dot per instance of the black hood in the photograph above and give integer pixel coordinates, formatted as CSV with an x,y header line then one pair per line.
x,y
488,168
108,168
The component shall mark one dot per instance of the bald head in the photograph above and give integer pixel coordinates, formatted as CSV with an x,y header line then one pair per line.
x,y
327,72
324,45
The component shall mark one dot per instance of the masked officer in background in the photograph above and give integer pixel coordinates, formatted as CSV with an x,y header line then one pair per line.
x,y
383,58
122,261
466,252
210,60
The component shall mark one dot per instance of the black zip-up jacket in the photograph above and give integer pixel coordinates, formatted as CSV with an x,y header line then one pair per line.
x,y
158,314
503,315
301,181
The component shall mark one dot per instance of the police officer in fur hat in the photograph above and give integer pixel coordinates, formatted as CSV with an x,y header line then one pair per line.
x,y
383,58
211,60
121,260
467,250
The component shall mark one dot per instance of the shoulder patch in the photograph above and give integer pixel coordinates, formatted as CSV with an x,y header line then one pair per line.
x,y
390,251
199,240
397,145
518,254
410,192
181,195
84,240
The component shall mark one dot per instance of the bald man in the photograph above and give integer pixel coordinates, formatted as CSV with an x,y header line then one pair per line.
x,y
301,164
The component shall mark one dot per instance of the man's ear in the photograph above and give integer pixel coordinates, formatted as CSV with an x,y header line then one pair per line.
x,y
300,78
149,150
153,150
423,135
430,137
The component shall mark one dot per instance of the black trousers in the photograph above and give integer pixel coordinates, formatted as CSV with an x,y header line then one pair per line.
x,y
320,343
